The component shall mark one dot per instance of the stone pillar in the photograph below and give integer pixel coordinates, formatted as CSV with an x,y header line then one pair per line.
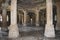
x,y
58,16
25,14
13,29
19,17
22,19
37,17
49,29
4,17
0,18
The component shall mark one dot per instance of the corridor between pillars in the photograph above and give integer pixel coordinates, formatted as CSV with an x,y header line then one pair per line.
x,y
49,29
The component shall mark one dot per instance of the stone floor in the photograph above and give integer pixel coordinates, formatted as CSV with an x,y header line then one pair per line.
x,y
30,37
37,35
32,33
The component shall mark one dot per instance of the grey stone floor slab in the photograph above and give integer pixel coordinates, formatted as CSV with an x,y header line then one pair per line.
x,y
30,38
32,33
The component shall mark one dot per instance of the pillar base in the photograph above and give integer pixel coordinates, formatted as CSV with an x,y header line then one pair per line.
x,y
13,31
49,31
24,24
37,24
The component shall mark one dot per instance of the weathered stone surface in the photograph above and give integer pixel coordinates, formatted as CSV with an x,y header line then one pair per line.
x,y
13,31
58,16
49,31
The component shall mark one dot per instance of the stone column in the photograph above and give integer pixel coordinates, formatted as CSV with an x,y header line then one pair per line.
x,y
37,17
13,29
58,16
22,19
49,29
0,18
4,17
25,14
19,18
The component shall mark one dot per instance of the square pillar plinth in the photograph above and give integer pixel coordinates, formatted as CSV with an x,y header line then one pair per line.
x,y
13,31
37,24
24,24
49,30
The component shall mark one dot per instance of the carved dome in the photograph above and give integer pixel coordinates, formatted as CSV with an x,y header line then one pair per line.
x,y
29,3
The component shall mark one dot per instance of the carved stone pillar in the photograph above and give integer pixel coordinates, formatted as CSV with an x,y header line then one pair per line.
x,y
25,14
13,29
4,17
58,16
37,17
49,29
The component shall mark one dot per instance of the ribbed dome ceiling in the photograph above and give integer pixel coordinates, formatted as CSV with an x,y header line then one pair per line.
x,y
29,3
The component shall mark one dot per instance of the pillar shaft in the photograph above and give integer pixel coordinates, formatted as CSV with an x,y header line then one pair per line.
x,y
13,11
25,14
37,18
4,18
49,11
58,16
4,15
13,29
22,19
49,29
19,18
